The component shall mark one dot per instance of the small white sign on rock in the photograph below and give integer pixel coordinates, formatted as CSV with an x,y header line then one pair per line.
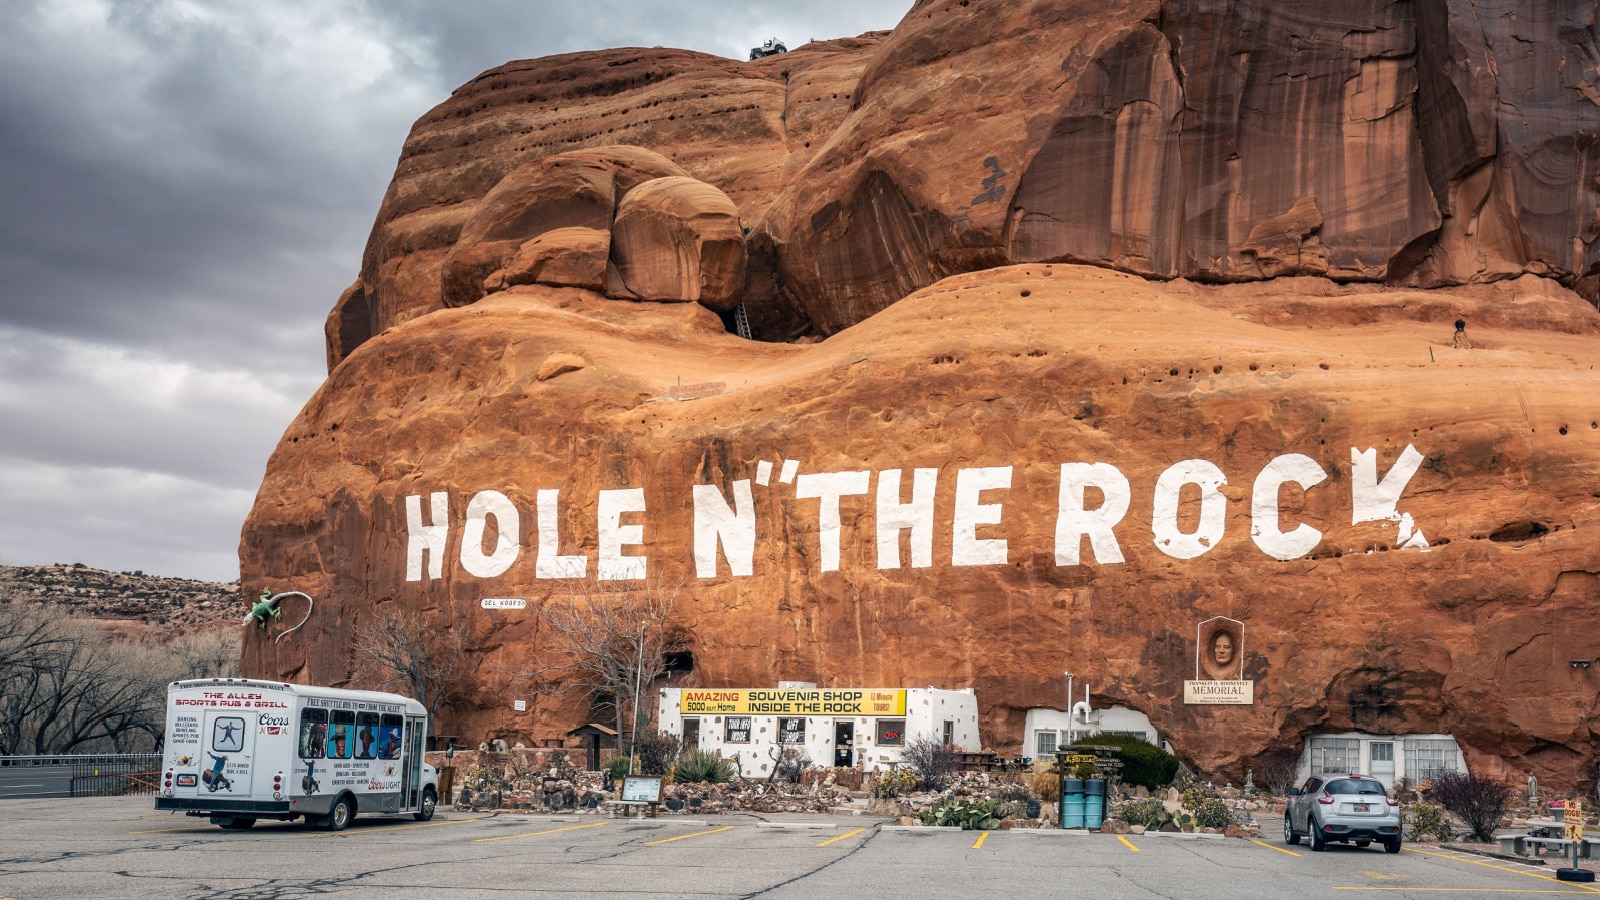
x,y
503,603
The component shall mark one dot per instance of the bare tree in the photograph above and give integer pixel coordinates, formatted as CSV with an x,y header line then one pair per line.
x,y
400,650
610,638
66,685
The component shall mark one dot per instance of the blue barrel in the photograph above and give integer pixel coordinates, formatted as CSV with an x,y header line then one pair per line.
x,y
1094,802
1072,803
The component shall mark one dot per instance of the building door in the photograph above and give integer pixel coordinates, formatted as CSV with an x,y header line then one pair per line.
x,y
1382,767
844,744
691,734
949,734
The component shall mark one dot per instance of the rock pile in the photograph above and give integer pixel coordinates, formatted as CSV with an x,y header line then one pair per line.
x,y
124,596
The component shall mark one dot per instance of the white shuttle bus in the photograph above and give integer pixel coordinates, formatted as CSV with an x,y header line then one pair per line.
x,y
238,750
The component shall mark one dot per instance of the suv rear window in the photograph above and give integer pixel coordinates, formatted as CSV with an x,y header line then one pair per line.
x,y
1346,786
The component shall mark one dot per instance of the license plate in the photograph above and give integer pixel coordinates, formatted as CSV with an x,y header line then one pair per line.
x,y
1363,807
185,781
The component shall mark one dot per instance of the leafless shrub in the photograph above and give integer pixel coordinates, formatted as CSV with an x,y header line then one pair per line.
x,y
1478,801
932,759
611,638
400,651
1275,770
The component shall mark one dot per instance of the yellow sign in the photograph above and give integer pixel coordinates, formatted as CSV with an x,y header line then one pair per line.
x,y
1573,819
805,702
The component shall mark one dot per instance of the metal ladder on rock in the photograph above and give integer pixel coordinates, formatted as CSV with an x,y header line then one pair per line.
x,y
741,321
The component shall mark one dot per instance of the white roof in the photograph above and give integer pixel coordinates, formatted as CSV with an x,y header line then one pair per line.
x,y
302,690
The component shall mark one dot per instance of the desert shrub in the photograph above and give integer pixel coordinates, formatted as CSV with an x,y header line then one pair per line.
x,y
1480,802
1275,770
702,765
1213,813
894,784
932,759
1148,812
657,752
1195,797
1143,763
969,815
617,767
1425,821
1047,785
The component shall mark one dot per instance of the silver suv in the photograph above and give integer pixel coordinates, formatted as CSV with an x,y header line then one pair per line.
x,y
1342,807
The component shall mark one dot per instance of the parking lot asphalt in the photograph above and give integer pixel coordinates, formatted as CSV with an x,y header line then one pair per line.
x,y
119,847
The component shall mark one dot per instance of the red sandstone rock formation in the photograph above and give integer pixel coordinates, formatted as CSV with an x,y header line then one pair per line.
x,y
518,326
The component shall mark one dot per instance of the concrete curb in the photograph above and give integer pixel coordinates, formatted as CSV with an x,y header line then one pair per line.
x,y
1180,835
798,825
921,828
1508,857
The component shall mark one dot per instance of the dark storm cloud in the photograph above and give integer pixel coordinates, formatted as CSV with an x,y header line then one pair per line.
x,y
186,189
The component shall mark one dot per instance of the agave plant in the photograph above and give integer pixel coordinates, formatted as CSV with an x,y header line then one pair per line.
x,y
968,815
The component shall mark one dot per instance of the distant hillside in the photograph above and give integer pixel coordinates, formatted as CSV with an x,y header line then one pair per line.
x,y
124,596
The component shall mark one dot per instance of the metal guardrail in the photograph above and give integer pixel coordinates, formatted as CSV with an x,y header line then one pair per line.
x,y
116,775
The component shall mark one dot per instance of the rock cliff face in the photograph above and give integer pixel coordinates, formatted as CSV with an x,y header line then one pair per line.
x,y
1252,403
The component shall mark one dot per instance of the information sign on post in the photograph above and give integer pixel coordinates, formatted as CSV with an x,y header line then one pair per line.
x,y
641,789
1573,819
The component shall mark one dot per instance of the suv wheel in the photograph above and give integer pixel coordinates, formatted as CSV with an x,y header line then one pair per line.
x,y
1318,840
1392,845
1290,836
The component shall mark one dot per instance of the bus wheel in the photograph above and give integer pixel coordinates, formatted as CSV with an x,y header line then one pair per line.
x,y
430,802
239,823
341,814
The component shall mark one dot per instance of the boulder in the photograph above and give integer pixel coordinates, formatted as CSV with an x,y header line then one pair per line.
x,y
678,239
563,257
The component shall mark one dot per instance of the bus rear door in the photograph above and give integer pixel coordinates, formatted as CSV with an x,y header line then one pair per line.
x,y
226,740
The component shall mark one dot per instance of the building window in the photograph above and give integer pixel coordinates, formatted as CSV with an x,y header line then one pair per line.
x,y
1335,755
949,733
792,731
1044,743
1430,759
1382,751
738,730
891,732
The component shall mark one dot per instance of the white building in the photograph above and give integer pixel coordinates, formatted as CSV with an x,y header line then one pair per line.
x,y
864,728
1414,757
1045,729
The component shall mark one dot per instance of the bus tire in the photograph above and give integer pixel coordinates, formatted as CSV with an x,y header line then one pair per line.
x,y
339,817
430,802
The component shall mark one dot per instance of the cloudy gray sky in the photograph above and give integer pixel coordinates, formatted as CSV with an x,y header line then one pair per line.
x,y
185,188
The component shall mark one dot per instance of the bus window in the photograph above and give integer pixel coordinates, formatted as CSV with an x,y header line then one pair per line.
x,y
390,737
366,735
313,733
341,734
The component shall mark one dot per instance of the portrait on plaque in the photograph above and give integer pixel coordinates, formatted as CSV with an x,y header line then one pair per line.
x,y
1219,650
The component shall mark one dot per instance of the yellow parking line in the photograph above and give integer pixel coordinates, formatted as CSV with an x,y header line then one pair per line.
x,y
684,837
1127,843
979,842
391,828
1462,890
1580,888
1273,847
841,837
507,837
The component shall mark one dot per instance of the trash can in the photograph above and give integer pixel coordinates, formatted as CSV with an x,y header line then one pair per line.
x,y
1094,802
1071,803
